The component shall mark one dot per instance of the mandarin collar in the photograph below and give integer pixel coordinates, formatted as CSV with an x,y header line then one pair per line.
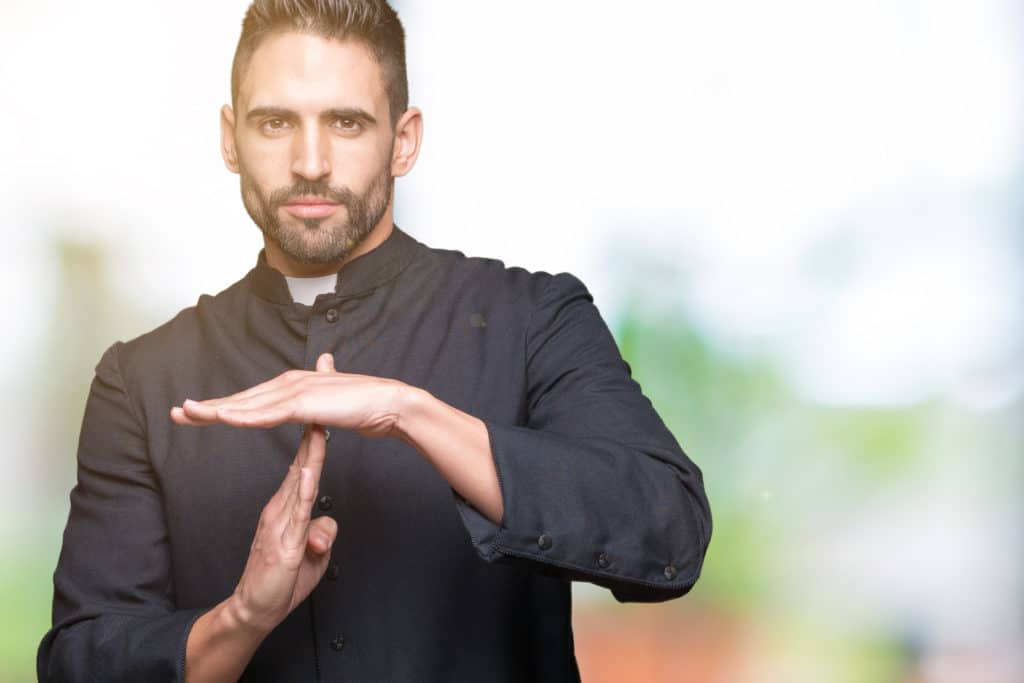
x,y
362,274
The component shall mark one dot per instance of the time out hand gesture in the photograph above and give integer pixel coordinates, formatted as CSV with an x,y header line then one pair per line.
x,y
290,552
368,405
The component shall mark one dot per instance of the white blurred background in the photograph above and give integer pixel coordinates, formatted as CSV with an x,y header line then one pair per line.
x,y
814,206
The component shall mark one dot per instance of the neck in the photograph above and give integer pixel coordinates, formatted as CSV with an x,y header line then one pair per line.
x,y
289,267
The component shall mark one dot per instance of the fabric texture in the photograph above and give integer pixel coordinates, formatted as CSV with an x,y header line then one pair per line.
x,y
421,586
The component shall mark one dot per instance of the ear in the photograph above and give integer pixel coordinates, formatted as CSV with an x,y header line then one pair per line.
x,y
408,136
227,138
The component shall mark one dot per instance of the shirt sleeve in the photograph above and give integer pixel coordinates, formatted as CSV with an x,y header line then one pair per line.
x,y
595,487
114,617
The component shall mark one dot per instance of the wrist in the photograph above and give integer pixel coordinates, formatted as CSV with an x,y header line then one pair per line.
x,y
238,618
410,404
220,644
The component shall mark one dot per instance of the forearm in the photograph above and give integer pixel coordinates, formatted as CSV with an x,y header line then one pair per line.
x,y
220,645
456,444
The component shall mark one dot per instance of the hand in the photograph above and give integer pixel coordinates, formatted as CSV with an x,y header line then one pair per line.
x,y
290,552
368,405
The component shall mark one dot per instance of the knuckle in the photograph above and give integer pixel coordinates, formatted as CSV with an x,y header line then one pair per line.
x,y
266,515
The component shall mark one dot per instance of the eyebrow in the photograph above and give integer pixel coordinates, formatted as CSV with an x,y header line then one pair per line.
x,y
354,113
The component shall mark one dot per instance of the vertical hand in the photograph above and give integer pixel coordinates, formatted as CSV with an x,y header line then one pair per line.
x,y
290,551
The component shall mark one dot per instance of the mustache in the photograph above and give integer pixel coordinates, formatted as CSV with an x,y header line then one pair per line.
x,y
311,188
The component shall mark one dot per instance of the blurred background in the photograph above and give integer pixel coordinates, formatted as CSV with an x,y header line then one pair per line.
x,y
802,220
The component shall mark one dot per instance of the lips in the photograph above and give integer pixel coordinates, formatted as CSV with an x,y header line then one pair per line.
x,y
311,208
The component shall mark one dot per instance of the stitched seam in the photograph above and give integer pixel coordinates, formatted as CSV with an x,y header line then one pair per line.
x,y
124,390
679,583
529,326
501,490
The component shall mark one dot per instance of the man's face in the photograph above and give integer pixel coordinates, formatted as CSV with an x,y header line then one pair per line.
x,y
314,143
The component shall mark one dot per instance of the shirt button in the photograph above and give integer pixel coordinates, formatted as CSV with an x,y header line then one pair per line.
x,y
333,571
670,572
331,315
325,503
544,542
602,561
338,643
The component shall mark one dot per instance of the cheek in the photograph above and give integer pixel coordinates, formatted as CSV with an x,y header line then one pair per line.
x,y
358,165
268,164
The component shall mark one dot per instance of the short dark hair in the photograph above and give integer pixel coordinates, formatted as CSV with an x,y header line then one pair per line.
x,y
371,22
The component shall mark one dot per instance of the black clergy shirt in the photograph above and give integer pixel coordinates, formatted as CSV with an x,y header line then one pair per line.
x,y
421,587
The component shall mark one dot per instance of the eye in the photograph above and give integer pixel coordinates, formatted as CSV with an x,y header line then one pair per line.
x,y
274,125
348,125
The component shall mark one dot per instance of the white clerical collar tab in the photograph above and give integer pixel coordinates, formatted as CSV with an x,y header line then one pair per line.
x,y
304,290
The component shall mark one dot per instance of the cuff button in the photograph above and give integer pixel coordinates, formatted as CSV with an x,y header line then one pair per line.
x,y
544,542
603,562
670,572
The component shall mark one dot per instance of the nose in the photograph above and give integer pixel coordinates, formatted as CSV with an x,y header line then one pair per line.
x,y
310,156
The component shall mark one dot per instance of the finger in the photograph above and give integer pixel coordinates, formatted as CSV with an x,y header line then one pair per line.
x,y
198,411
295,533
178,416
264,410
274,394
309,457
284,379
322,533
282,403
325,363
285,495
258,417
317,451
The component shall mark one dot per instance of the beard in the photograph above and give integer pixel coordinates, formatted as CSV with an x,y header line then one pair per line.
x,y
318,240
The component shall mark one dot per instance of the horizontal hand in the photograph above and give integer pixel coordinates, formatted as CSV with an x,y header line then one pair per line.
x,y
368,405
454,442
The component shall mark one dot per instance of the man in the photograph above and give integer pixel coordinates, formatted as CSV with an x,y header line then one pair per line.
x,y
404,455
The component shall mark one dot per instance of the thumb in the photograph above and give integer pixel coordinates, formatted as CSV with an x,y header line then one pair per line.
x,y
322,532
325,363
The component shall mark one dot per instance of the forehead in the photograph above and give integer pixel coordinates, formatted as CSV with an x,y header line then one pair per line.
x,y
307,72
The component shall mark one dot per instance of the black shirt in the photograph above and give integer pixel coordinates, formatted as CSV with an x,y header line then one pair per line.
x,y
421,587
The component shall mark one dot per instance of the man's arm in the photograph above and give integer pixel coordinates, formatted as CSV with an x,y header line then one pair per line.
x,y
593,488
594,485
114,617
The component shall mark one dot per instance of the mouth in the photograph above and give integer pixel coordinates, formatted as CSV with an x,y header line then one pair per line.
x,y
311,207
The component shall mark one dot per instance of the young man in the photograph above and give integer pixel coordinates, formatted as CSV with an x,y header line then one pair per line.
x,y
404,455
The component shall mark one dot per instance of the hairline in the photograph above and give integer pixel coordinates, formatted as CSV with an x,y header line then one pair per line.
x,y
243,58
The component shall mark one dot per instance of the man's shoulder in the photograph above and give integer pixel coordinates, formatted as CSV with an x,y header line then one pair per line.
x,y
182,336
493,277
